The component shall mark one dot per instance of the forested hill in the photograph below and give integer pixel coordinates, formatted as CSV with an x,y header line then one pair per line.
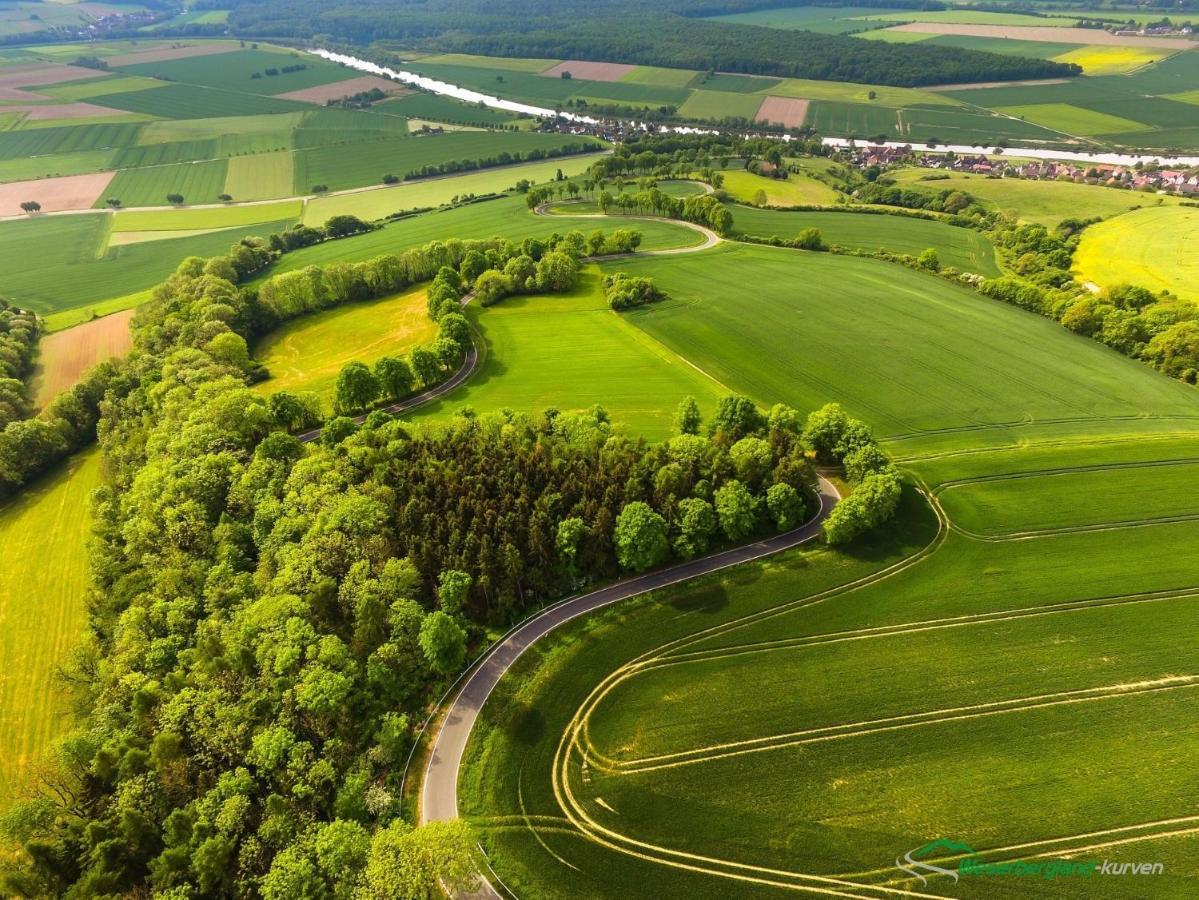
x,y
658,32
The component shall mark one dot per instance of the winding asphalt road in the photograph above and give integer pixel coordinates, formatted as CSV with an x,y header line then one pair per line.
x,y
439,793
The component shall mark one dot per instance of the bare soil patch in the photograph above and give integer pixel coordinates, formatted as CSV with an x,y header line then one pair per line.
x,y
15,79
164,53
590,71
78,110
974,85
787,111
64,356
54,194
1047,33
323,93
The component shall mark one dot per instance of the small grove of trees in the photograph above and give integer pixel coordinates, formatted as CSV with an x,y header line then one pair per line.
x,y
810,239
31,206
703,209
19,334
837,439
623,291
175,199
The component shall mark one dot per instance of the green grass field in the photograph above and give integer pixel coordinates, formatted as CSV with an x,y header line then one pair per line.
x,y
1044,202
1152,247
307,354
1071,119
659,76
263,176
1012,46
962,248
234,71
189,101
716,105
198,182
572,352
360,164
60,263
796,190
42,587
819,715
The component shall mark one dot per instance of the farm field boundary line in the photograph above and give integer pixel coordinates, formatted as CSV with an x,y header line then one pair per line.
x,y
1032,535
1064,442
944,486
1026,421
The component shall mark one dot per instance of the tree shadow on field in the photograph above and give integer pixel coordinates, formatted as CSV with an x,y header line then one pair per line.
x,y
708,599
915,525
527,726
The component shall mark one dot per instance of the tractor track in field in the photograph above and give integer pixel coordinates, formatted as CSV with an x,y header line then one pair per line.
x,y
868,727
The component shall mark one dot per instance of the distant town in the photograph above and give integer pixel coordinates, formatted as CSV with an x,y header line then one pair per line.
x,y
1142,177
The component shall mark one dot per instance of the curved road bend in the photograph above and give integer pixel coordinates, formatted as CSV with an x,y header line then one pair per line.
x,y
439,793
711,238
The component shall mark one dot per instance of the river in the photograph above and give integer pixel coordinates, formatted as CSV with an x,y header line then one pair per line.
x,y
468,96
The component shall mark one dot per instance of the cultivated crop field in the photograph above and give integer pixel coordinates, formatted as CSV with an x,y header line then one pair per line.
x,y
796,726
1152,247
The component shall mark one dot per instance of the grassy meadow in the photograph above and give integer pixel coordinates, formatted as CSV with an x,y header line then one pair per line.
x,y
506,216
307,354
42,610
796,190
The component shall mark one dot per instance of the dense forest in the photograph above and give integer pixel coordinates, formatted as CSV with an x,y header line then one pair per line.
x,y
667,33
